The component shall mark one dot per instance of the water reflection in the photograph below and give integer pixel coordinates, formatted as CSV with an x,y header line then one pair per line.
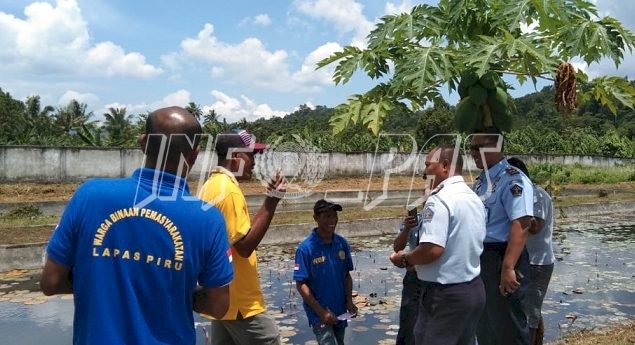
x,y
592,286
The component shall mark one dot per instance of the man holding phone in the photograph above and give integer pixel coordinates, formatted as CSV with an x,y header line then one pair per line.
x,y
446,259
411,291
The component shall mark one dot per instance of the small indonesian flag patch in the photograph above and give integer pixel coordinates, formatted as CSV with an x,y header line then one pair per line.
x,y
229,254
296,267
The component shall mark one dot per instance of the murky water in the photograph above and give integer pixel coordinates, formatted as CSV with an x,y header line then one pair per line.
x,y
593,285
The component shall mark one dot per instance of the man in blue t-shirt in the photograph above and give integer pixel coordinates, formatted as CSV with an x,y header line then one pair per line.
x,y
132,250
322,274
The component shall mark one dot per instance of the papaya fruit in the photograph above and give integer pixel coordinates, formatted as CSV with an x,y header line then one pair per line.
x,y
502,121
478,94
489,80
468,116
463,89
469,78
498,102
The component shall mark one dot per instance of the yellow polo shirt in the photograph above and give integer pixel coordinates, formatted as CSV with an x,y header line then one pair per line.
x,y
245,295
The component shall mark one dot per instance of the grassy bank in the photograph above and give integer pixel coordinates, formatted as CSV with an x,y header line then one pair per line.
x,y
578,174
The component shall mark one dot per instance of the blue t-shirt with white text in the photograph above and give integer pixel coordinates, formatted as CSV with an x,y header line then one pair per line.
x,y
137,248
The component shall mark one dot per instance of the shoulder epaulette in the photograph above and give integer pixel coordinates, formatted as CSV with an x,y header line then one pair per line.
x,y
436,190
512,171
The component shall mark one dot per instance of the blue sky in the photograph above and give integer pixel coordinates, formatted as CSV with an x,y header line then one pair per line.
x,y
243,58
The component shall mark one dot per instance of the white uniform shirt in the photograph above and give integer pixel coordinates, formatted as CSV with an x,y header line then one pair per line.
x,y
453,218
539,245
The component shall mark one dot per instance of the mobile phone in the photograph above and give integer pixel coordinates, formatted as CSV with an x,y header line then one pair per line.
x,y
413,213
519,275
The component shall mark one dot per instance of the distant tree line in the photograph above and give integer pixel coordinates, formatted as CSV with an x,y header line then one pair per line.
x,y
538,127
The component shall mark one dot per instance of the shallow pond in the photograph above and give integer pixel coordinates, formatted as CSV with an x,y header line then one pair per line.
x,y
593,285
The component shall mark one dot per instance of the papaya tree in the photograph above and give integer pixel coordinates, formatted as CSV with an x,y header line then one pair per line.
x,y
468,46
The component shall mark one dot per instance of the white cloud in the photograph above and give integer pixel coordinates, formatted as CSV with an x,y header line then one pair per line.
x,y
130,108
580,65
112,60
259,20
246,59
217,72
179,98
250,63
622,11
607,67
346,15
234,109
69,95
262,20
307,73
55,39
391,8
172,61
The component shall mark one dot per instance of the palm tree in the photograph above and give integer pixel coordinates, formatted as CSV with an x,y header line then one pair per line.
x,y
37,122
243,123
119,126
195,110
70,118
91,134
140,123
211,122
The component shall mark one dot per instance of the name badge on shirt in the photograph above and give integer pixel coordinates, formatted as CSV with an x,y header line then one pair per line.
x,y
319,260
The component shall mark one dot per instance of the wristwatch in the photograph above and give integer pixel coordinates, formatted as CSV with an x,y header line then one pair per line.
x,y
404,260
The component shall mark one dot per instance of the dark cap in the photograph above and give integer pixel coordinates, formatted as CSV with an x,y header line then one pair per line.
x,y
323,205
237,138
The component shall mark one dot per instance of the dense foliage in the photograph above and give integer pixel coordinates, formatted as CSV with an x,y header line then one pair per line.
x,y
414,55
538,128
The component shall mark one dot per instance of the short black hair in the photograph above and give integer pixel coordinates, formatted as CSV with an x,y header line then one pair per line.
x,y
491,134
518,163
447,152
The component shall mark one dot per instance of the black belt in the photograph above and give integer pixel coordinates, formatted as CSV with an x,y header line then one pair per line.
x,y
494,246
436,284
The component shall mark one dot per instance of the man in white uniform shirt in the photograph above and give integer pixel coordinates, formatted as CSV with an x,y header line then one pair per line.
x,y
447,258
541,258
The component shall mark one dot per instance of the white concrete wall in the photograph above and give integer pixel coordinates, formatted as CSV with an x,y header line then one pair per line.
x,y
28,163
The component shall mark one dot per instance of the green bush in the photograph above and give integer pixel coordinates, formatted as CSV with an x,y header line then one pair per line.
x,y
563,174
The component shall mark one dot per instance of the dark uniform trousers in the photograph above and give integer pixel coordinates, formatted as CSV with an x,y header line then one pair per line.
x,y
449,314
504,321
410,296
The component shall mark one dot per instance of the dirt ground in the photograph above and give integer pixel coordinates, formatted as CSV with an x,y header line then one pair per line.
x,y
25,234
622,334
33,192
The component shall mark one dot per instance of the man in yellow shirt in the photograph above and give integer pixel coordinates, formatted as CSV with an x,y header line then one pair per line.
x,y
245,322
